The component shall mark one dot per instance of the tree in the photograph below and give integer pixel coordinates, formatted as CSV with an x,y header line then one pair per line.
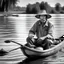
x,y
13,2
52,11
8,3
48,8
33,8
29,8
42,5
36,8
58,7
1,2
63,8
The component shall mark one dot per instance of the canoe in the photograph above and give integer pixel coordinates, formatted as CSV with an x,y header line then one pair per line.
x,y
31,52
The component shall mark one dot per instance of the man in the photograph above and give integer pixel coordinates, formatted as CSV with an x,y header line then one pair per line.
x,y
43,29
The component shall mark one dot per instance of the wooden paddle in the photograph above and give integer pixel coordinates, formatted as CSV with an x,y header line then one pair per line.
x,y
9,41
14,49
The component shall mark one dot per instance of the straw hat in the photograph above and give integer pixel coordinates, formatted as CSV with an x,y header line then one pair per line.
x,y
43,13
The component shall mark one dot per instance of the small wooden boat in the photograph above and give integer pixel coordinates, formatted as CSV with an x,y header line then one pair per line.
x,y
31,52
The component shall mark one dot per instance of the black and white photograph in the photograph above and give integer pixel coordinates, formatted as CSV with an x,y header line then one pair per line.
x,y
31,31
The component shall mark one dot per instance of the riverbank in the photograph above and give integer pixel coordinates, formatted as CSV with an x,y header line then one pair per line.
x,y
11,12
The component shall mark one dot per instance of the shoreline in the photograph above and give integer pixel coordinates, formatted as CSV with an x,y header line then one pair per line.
x,y
15,12
11,12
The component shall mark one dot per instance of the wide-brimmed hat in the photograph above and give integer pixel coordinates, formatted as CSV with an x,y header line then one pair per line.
x,y
43,13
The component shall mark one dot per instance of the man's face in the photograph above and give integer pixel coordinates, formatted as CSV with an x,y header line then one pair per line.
x,y
43,18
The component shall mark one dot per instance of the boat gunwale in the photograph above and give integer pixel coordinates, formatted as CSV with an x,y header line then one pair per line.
x,y
43,51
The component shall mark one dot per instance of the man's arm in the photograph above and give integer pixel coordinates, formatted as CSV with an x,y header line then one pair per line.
x,y
32,31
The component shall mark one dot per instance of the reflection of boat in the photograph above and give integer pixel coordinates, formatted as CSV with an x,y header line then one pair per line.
x,y
15,15
31,52
31,60
2,52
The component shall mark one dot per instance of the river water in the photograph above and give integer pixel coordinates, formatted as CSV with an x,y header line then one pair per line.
x,y
17,28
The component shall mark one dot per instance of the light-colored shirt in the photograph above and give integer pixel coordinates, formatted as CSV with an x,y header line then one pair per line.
x,y
41,29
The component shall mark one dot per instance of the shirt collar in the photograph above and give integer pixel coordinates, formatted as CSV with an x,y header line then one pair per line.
x,y
46,24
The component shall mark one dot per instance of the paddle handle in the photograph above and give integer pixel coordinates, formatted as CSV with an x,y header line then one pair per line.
x,y
14,49
16,43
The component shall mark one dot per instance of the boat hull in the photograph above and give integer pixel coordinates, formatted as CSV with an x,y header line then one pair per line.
x,y
31,52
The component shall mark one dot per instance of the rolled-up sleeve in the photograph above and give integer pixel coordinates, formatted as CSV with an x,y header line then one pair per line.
x,y
32,31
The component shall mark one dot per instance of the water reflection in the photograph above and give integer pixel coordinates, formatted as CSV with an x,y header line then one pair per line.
x,y
30,20
57,21
35,60
39,60
6,27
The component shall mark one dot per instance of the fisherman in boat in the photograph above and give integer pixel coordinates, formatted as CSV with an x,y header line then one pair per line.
x,y
43,29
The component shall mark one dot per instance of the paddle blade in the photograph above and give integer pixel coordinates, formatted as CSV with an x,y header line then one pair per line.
x,y
62,38
3,52
7,41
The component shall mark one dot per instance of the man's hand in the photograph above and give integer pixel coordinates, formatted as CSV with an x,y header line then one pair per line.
x,y
30,45
30,35
33,39
42,38
49,36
